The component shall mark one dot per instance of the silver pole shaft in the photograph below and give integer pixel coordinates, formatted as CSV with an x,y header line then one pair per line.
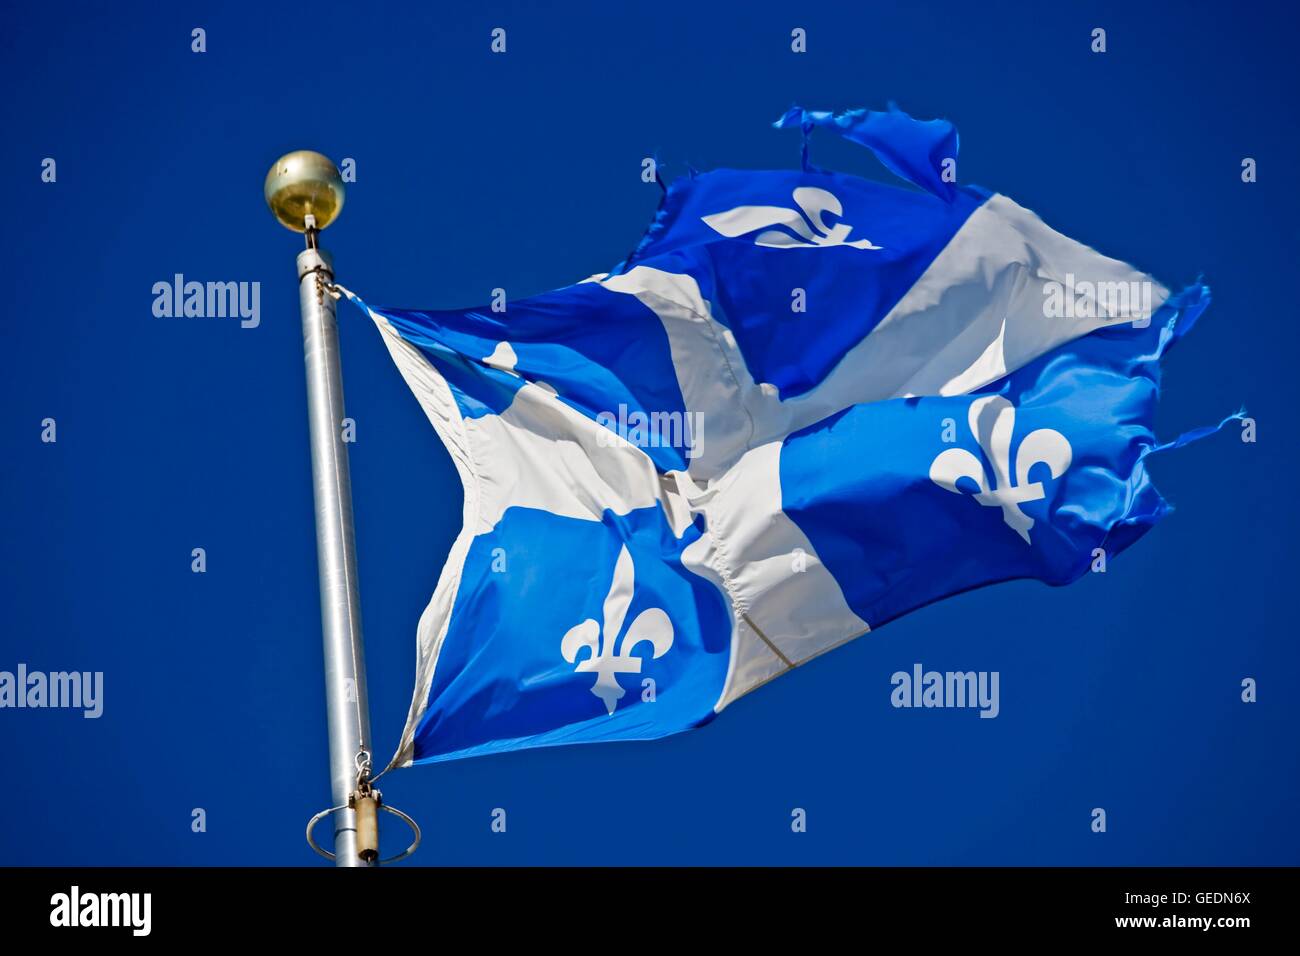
x,y
345,672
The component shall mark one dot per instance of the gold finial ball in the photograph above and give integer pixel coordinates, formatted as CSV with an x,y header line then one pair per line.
x,y
304,183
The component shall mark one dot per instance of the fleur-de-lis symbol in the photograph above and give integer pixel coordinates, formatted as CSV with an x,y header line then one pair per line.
x,y
992,422
607,655
799,228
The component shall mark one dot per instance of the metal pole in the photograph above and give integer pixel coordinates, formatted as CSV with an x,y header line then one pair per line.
x,y
304,191
345,672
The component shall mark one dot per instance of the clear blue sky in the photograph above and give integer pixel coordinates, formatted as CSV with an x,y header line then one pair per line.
x,y
522,171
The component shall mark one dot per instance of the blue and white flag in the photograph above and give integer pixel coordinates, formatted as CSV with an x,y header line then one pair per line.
x,y
808,403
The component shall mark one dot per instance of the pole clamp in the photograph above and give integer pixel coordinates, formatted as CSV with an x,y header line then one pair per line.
x,y
366,802
314,260
378,804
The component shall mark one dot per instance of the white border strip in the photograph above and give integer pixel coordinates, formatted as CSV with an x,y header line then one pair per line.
x,y
434,396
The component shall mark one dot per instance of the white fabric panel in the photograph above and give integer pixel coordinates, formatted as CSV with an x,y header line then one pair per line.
x,y
787,605
436,399
540,453
710,371
982,303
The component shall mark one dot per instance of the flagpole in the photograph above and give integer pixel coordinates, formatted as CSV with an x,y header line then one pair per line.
x,y
305,192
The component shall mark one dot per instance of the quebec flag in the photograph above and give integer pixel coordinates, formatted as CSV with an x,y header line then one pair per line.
x,y
807,404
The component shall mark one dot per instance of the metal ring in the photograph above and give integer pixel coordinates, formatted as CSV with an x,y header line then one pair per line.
x,y
311,825
415,828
